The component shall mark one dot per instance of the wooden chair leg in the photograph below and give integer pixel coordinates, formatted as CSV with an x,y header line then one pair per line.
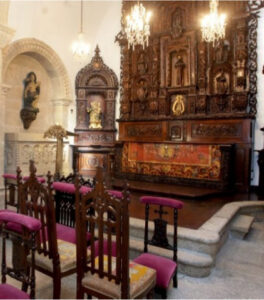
x,y
164,294
175,281
25,285
80,293
56,286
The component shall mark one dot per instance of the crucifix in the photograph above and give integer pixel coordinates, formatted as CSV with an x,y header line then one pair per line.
x,y
58,132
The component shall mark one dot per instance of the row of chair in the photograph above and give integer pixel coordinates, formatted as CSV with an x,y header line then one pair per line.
x,y
103,250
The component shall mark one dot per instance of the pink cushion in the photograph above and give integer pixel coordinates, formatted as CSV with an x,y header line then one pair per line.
x,y
40,179
7,291
10,176
165,267
68,234
105,251
30,223
161,201
69,188
116,194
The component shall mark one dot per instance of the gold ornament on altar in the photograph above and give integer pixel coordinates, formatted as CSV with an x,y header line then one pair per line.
x,y
178,106
95,113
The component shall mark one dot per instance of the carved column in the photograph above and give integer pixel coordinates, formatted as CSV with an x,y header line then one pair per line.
x,y
61,108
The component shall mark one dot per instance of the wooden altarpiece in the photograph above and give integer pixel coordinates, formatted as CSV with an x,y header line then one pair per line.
x,y
188,107
96,87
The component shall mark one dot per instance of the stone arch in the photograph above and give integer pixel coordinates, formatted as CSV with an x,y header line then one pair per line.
x,y
49,60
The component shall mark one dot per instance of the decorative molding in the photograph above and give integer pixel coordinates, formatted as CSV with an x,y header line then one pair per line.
x,y
146,130
6,35
47,57
252,62
219,130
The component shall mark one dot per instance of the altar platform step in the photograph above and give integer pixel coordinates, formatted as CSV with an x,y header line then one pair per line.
x,y
198,248
190,262
167,190
241,226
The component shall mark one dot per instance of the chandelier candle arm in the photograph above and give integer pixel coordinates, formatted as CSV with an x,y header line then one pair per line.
x,y
213,25
137,26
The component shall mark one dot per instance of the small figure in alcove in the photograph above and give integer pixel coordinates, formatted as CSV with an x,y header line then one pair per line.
x,y
31,92
221,83
95,113
179,68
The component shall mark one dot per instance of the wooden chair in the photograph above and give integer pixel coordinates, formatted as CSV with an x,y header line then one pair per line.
x,y
55,257
21,229
10,183
166,268
65,200
106,275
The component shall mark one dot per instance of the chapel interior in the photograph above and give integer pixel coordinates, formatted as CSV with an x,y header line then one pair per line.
x,y
132,149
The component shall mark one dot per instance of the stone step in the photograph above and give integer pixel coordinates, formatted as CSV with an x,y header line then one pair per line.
x,y
241,225
202,241
191,263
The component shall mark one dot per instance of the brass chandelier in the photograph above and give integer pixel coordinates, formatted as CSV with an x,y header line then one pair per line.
x,y
137,26
213,25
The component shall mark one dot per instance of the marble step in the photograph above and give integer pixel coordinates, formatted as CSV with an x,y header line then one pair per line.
x,y
241,225
202,241
191,263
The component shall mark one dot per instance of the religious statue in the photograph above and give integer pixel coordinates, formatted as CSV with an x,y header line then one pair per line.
x,y
179,68
95,113
178,106
142,66
221,51
31,92
58,132
30,97
221,83
142,92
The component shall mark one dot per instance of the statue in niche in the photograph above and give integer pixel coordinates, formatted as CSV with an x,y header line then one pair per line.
x,y
177,23
142,66
95,113
31,92
221,51
30,97
178,106
179,71
142,92
221,83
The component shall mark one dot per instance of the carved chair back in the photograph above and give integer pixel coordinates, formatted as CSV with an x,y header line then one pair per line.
x,y
10,183
22,231
36,200
108,219
65,202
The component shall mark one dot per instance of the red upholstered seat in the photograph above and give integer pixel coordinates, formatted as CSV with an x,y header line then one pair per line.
x,y
162,201
116,194
69,188
9,292
105,251
68,234
9,176
165,267
30,223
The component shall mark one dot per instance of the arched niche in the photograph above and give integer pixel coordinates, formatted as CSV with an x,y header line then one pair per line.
x,y
30,54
